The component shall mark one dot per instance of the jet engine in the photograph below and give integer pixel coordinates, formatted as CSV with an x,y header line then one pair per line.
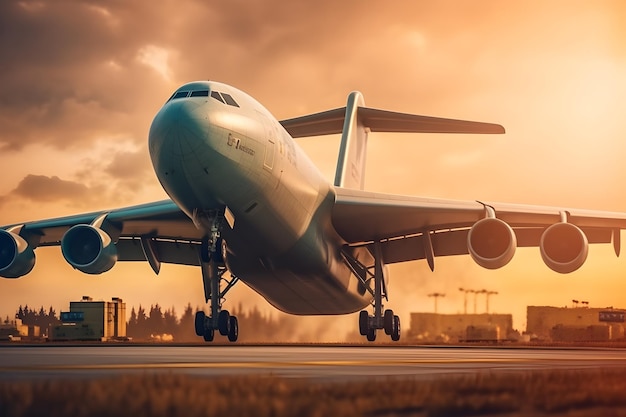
x,y
564,247
17,258
89,249
491,243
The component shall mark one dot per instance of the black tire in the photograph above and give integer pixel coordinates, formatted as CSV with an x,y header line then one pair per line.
x,y
223,322
233,332
209,334
371,334
363,322
388,321
199,323
395,334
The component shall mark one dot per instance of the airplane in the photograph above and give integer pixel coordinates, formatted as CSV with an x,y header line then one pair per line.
x,y
247,204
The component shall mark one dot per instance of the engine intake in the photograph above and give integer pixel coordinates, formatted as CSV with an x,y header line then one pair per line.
x,y
491,243
564,247
89,249
17,258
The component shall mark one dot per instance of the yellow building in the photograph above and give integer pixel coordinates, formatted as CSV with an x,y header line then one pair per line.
x,y
92,320
16,330
575,324
460,327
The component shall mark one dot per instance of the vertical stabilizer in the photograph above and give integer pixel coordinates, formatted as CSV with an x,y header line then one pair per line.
x,y
352,151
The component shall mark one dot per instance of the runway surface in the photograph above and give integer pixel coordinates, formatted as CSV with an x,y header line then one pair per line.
x,y
320,362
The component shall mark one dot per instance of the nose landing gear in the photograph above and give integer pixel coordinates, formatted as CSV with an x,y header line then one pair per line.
x,y
213,269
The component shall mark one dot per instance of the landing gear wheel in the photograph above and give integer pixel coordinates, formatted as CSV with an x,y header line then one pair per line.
x,y
199,323
233,329
363,322
371,334
388,321
209,334
395,334
223,322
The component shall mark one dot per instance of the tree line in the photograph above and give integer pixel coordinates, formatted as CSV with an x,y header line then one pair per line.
x,y
254,325
34,317
155,323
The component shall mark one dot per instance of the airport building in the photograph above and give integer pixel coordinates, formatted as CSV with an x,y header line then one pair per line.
x,y
575,324
92,320
433,327
15,330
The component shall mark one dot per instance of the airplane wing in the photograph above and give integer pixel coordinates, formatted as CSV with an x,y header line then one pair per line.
x,y
401,223
166,231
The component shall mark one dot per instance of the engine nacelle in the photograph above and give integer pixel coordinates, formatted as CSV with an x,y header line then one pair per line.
x,y
89,249
564,247
17,258
491,243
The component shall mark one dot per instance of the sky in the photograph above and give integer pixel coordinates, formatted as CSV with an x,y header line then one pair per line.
x,y
81,81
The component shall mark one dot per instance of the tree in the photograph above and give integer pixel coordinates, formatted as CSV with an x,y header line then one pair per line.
x,y
132,322
155,323
137,326
170,321
186,330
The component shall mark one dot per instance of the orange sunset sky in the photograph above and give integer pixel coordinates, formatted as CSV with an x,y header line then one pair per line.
x,y
81,81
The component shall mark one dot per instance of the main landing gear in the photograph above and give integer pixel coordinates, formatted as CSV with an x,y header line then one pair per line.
x,y
213,270
385,320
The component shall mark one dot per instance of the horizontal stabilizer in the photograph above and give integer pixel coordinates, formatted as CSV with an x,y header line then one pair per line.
x,y
331,122
387,121
328,122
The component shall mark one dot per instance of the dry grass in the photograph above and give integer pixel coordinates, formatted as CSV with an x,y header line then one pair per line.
x,y
562,393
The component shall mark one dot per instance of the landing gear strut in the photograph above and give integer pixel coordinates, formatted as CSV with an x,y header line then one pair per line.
x,y
212,277
385,320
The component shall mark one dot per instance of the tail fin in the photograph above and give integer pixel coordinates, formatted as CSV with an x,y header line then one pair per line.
x,y
358,120
353,148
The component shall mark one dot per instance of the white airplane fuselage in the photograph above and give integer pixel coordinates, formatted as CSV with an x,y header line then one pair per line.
x,y
213,152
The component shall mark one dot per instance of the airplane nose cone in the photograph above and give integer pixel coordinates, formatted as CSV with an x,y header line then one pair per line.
x,y
177,130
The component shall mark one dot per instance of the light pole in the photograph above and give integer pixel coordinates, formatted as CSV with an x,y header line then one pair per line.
x,y
465,291
436,295
475,293
487,294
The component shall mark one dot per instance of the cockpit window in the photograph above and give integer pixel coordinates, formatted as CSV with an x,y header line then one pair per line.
x,y
229,100
200,93
180,94
217,96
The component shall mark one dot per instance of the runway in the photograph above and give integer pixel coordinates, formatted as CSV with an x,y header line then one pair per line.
x,y
334,363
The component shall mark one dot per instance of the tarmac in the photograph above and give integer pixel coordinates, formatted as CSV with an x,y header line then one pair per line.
x,y
320,362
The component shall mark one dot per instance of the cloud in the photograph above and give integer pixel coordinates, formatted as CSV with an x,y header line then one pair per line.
x,y
126,165
40,188
156,58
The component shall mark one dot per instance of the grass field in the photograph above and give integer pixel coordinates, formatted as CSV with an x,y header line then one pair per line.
x,y
550,393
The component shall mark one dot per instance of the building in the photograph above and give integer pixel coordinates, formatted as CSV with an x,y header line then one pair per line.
x,y
435,327
16,330
92,320
575,324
